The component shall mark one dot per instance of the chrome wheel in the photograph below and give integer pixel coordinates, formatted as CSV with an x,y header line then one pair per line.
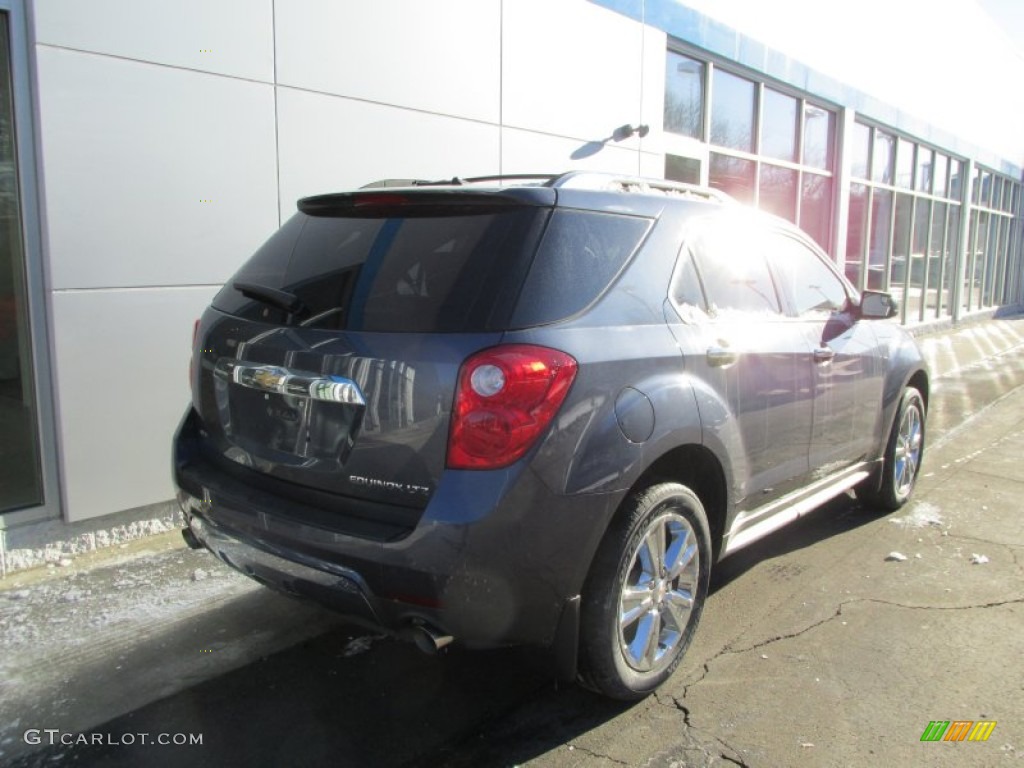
x,y
909,441
658,593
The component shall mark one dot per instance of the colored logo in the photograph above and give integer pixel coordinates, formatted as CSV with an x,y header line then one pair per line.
x,y
958,730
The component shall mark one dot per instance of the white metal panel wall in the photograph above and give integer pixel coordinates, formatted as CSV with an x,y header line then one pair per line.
x,y
153,175
330,143
157,145
230,37
438,57
122,363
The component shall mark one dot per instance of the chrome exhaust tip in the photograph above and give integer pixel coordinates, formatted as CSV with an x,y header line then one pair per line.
x,y
429,640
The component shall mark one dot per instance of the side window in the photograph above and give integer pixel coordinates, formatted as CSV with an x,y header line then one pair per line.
x,y
733,269
686,290
808,283
581,254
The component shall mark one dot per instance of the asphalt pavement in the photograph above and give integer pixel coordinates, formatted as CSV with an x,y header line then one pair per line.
x,y
835,642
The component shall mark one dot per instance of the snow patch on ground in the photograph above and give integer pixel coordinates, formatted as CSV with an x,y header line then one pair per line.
x,y
56,551
922,515
53,618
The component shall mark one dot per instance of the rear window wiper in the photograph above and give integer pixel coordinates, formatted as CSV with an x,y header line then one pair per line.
x,y
275,297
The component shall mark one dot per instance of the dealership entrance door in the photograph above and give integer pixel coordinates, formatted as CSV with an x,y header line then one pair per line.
x,y
21,475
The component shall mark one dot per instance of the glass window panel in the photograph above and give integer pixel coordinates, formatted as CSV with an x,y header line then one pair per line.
x,y
939,174
923,172
905,164
684,95
976,261
778,125
778,191
900,247
860,148
732,111
986,188
855,239
956,169
882,160
949,258
878,245
918,262
819,130
991,262
816,208
685,169
936,264
733,175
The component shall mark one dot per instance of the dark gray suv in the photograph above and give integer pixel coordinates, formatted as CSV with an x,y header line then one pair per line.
x,y
536,411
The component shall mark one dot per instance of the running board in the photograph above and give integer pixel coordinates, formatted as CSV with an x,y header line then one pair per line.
x,y
746,528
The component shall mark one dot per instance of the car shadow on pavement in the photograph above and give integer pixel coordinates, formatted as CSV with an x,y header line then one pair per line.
x,y
835,518
343,698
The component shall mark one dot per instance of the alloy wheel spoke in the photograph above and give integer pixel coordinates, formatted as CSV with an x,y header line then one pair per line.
x,y
653,639
655,544
634,603
685,559
637,648
678,604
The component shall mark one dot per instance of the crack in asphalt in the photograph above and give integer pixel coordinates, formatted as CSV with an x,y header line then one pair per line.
x,y
839,612
677,702
678,705
592,753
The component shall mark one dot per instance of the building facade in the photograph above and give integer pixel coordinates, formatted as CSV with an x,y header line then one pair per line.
x,y
147,148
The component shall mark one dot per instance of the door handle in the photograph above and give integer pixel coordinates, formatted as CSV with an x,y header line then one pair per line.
x,y
823,354
721,356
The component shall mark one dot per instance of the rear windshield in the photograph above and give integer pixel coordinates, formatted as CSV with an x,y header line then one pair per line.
x,y
422,273
434,271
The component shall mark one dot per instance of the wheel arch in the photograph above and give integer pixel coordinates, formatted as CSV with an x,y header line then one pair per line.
x,y
696,467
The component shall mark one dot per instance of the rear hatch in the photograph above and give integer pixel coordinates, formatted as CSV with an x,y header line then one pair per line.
x,y
329,362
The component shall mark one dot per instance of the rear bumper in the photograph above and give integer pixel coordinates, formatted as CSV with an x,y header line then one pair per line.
x,y
494,558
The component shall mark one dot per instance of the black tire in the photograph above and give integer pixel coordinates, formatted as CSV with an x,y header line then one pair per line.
x,y
614,659
903,454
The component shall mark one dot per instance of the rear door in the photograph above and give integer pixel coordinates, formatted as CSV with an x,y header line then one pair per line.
x,y
740,343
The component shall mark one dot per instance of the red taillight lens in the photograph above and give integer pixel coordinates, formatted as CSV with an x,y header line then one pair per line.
x,y
192,357
506,397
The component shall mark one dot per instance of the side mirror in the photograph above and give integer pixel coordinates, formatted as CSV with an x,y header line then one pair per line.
x,y
876,305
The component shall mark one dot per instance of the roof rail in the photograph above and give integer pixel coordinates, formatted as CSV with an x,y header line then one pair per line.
x,y
457,181
592,180
618,183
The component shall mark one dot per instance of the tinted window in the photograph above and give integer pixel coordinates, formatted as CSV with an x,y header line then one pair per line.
x,y
733,269
778,125
808,283
732,111
684,95
426,272
686,290
580,255
819,127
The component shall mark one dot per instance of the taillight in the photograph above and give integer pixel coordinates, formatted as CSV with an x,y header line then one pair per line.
x,y
192,357
506,397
